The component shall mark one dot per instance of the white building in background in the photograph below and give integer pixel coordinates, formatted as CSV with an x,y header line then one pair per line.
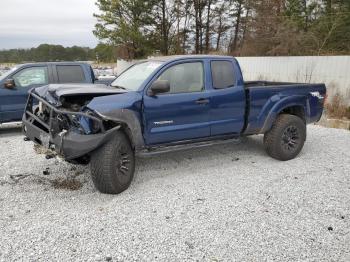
x,y
332,70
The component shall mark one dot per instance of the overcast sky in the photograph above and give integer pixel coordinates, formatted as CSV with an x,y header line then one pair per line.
x,y
28,23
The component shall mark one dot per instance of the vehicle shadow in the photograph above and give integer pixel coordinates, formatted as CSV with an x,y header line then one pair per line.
x,y
8,130
248,150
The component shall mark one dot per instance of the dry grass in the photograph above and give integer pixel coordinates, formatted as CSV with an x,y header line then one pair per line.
x,y
337,108
66,183
42,150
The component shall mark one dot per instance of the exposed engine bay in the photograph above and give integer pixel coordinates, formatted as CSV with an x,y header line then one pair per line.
x,y
64,108
75,103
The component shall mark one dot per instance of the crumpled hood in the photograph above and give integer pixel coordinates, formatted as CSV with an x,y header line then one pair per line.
x,y
106,105
53,92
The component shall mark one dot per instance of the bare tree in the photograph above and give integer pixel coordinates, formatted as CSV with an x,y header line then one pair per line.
x,y
221,21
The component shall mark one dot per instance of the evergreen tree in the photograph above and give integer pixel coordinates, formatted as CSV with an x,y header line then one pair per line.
x,y
127,24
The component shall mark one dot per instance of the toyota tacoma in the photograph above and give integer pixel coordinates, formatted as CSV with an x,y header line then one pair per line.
x,y
165,104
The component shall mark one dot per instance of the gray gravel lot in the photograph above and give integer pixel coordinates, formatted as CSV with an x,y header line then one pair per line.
x,y
223,203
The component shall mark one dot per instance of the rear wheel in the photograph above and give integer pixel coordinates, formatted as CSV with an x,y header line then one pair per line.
x,y
113,165
286,138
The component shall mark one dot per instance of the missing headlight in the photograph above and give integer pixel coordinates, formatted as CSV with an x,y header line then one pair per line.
x,y
88,125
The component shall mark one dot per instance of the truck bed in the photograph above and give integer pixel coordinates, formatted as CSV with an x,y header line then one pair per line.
x,y
263,98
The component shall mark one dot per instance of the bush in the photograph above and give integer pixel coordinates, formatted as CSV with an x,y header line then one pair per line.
x,y
337,108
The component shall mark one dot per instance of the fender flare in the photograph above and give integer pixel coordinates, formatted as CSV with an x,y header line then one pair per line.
x,y
285,102
127,118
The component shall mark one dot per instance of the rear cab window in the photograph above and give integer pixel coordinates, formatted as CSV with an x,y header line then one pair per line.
x,y
222,73
70,74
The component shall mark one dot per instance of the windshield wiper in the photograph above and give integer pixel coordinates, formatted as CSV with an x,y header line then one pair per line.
x,y
120,87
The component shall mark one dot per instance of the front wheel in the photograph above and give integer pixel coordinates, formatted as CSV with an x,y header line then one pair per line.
x,y
286,138
113,165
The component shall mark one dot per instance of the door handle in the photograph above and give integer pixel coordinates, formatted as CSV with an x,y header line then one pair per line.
x,y
202,101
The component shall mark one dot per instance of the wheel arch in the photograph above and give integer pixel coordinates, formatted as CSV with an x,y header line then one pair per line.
x,y
296,110
129,124
293,106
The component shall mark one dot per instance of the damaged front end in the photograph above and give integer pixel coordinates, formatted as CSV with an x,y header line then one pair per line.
x,y
70,129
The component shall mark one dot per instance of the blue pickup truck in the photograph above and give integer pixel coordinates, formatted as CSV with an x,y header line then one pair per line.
x,y
166,104
15,84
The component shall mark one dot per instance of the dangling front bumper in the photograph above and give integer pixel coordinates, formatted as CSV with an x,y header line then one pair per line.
x,y
65,139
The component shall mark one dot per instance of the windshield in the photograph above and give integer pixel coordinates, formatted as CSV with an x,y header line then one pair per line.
x,y
133,78
7,73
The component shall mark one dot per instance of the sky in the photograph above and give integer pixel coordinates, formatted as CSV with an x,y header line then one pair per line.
x,y
29,23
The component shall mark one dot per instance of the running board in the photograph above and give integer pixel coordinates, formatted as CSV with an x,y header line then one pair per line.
x,y
10,125
172,148
15,123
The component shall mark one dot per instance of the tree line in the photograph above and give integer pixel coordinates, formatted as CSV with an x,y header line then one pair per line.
x,y
48,53
130,29
138,28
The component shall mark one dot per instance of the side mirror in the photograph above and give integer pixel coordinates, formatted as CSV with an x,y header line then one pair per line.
x,y
10,84
159,86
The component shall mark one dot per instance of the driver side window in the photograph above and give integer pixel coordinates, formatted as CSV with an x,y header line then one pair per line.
x,y
31,76
184,78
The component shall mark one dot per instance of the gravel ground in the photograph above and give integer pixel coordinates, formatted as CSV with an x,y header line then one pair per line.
x,y
223,203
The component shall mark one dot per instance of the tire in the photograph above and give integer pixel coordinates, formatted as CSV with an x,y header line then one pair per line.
x,y
113,165
286,138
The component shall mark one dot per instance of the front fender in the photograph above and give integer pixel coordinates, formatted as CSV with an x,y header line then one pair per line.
x,y
128,118
124,109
